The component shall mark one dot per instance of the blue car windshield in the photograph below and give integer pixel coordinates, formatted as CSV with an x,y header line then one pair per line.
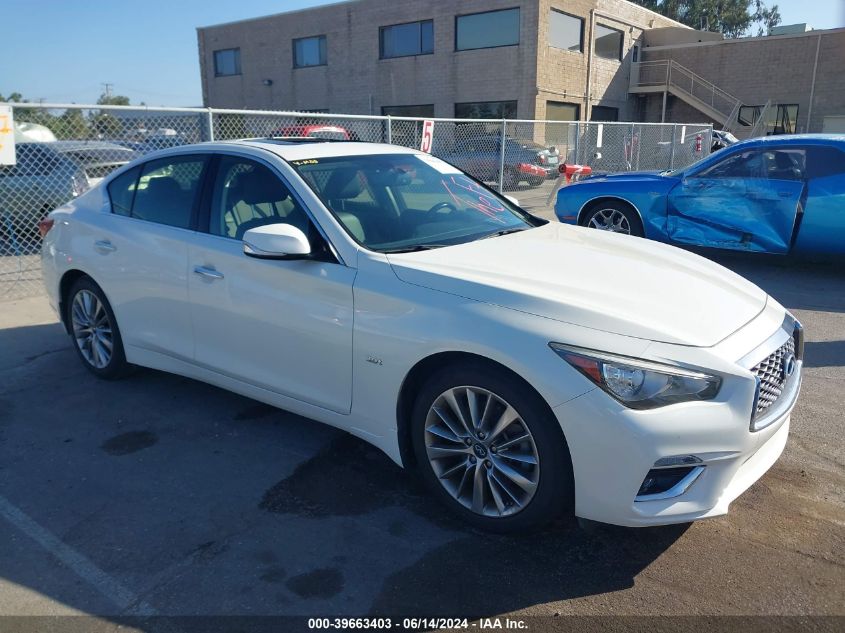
x,y
406,202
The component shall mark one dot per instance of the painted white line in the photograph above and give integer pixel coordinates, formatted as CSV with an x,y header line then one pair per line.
x,y
123,598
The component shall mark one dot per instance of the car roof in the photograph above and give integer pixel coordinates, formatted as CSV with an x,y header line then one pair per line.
x,y
795,139
300,149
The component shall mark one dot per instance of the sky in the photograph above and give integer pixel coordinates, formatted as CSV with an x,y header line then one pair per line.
x,y
62,51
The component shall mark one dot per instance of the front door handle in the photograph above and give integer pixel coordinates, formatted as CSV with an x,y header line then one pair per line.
x,y
784,194
105,246
208,273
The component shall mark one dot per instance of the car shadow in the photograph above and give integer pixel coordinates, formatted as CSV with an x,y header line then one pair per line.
x,y
797,282
202,501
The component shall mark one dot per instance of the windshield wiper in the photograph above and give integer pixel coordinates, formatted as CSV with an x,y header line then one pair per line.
x,y
502,232
413,249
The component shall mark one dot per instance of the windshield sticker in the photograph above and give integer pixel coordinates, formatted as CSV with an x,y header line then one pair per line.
x,y
467,192
309,161
440,165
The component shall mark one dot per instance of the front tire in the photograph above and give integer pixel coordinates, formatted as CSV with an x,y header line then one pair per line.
x,y
94,330
614,216
490,449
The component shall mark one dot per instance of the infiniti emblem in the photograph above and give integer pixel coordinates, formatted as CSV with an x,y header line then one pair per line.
x,y
480,451
789,364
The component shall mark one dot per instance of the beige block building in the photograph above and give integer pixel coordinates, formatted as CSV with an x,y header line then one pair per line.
x,y
603,60
556,59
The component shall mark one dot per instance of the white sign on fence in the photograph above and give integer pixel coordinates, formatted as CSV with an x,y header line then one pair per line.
x,y
7,136
427,136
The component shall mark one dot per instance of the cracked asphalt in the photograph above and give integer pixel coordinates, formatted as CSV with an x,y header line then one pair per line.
x,y
161,495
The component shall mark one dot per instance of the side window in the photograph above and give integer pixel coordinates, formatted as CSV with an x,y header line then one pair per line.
x,y
747,164
122,191
167,190
823,162
784,164
248,194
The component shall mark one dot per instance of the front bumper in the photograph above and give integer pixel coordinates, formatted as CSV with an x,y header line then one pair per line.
x,y
613,448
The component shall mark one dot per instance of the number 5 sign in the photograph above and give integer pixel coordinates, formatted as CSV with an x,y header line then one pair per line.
x,y
427,136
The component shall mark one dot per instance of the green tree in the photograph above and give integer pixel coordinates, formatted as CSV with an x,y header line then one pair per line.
x,y
31,115
71,125
733,18
106,99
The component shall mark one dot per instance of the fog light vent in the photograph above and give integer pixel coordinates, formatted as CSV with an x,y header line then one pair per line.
x,y
665,483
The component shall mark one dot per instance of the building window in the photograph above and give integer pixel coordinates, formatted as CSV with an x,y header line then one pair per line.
x,y
227,62
403,40
309,51
781,121
566,31
408,110
604,113
608,42
486,110
487,30
560,111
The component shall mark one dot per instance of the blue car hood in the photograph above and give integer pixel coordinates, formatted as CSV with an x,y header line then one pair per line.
x,y
631,175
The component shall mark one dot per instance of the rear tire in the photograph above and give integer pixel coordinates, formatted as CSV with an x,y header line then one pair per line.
x,y
498,477
93,329
511,179
536,181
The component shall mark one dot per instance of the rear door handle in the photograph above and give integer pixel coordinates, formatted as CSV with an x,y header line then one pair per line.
x,y
784,194
105,246
208,273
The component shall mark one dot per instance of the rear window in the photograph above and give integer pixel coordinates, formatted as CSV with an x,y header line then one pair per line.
x,y
823,162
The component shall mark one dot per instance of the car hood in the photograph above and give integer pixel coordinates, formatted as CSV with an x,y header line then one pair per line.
x,y
631,175
614,283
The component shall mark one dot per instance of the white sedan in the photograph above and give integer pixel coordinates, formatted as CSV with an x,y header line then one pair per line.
x,y
526,368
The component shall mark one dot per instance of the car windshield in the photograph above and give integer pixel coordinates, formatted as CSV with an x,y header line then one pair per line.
x,y
395,203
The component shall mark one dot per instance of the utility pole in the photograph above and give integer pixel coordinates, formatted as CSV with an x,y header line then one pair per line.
x,y
107,88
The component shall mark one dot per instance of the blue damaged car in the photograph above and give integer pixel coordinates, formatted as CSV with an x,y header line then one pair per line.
x,y
778,194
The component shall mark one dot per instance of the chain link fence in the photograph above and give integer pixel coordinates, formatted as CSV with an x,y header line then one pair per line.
x,y
63,150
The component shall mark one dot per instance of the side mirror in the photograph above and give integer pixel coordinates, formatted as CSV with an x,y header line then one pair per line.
x,y
512,199
276,241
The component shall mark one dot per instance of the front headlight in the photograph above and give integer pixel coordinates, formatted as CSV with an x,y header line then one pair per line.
x,y
639,384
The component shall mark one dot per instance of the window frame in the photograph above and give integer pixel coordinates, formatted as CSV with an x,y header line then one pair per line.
x,y
412,105
515,103
583,21
479,48
196,207
325,47
237,51
204,218
382,29
577,107
621,33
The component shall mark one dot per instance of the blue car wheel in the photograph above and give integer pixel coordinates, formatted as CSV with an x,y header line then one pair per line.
x,y
613,216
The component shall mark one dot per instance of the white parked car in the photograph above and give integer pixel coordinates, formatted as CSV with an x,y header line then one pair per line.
x,y
526,368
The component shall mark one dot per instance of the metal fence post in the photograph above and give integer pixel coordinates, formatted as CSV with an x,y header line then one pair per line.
x,y
210,116
672,152
577,140
502,158
389,130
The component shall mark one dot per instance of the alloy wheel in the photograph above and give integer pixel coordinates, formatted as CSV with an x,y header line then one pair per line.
x,y
92,329
612,220
481,451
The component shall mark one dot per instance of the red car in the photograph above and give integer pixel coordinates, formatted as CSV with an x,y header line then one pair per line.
x,y
302,130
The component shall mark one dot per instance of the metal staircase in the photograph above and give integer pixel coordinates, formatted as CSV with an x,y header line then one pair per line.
x,y
669,77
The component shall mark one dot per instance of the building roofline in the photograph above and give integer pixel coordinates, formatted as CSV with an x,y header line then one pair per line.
x,y
656,14
767,38
273,15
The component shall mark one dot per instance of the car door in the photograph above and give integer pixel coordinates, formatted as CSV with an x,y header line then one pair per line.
x,y
138,253
748,200
822,225
282,325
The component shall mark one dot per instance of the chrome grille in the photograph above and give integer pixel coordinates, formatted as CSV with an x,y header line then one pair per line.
x,y
771,375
